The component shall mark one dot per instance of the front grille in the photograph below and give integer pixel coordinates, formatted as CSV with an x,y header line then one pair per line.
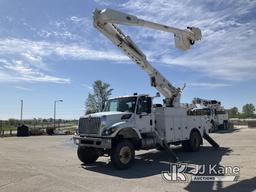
x,y
89,125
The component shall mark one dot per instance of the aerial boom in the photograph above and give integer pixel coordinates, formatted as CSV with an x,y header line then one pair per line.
x,y
105,20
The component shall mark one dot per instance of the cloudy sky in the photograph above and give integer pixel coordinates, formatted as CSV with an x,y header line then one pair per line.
x,y
49,50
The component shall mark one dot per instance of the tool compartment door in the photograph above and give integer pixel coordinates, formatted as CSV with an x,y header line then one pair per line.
x,y
177,124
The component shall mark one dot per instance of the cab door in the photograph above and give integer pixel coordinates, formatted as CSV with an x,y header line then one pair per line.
x,y
143,118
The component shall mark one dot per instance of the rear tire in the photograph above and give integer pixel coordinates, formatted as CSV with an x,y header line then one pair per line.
x,y
122,155
194,142
87,155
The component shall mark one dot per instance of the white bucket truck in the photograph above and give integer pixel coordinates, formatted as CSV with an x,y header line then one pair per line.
x,y
130,123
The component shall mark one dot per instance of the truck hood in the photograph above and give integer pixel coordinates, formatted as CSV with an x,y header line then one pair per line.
x,y
107,120
107,113
110,117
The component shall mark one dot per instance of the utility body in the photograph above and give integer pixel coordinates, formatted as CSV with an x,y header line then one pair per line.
x,y
133,122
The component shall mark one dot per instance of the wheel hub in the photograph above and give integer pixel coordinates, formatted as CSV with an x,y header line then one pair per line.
x,y
125,155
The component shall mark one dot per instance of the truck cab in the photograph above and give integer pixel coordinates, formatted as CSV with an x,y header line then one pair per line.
x,y
125,118
127,111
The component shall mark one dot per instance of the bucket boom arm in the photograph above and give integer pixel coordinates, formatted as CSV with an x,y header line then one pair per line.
x,y
105,21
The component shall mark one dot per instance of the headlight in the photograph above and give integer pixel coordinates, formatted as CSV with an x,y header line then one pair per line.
x,y
103,122
76,131
109,131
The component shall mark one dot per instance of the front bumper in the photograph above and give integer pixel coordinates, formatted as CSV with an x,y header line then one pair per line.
x,y
103,143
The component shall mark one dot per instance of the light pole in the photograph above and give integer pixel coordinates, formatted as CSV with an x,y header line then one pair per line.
x,y
55,112
21,110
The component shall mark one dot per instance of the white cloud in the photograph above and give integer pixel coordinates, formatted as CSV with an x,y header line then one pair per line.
x,y
103,2
16,70
70,29
227,50
23,59
35,50
83,53
77,19
23,88
207,85
87,86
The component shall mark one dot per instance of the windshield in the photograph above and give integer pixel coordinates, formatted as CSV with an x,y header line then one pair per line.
x,y
126,104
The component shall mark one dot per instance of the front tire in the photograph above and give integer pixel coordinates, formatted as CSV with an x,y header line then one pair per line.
x,y
194,142
122,155
87,155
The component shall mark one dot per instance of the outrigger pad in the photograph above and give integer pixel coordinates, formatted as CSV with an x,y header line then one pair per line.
x,y
211,141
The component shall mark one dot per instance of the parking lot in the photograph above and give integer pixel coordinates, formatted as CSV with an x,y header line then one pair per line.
x,y
49,163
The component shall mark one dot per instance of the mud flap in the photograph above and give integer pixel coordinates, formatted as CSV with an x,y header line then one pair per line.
x,y
211,141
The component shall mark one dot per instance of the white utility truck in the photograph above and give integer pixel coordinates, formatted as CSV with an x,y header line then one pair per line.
x,y
130,123
217,114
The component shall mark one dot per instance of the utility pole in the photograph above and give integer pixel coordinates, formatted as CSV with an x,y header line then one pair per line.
x,y
54,119
21,110
2,128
